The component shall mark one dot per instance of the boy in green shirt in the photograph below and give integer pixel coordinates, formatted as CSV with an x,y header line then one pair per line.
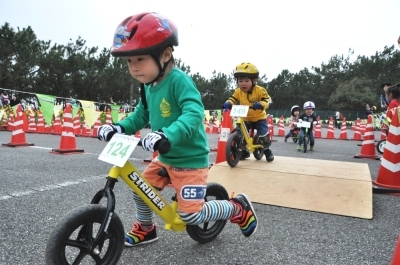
x,y
171,101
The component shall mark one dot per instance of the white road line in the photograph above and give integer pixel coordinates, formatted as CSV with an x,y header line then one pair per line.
x,y
49,187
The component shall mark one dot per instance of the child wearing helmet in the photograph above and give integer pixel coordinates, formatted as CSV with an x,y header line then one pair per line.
x,y
295,110
308,115
393,94
171,101
249,93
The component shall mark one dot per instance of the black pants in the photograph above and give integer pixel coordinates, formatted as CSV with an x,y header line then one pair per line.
x,y
338,124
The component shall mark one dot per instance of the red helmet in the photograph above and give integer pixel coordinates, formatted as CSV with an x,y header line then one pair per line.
x,y
144,34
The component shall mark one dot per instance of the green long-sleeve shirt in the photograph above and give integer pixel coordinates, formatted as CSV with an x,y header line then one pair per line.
x,y
176,108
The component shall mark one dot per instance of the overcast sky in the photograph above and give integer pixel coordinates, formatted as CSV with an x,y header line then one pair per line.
x,y
219,34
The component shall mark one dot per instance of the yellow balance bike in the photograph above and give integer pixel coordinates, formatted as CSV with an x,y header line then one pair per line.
x,y
241,139
94,234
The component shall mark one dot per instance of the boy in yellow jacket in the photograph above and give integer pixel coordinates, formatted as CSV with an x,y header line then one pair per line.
x,y
249,93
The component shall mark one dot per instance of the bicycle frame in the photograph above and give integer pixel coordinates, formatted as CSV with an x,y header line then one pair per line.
x,y
241,126
152,197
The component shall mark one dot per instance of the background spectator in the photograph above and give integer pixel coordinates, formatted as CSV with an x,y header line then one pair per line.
x,y
368,111
384,97
14,101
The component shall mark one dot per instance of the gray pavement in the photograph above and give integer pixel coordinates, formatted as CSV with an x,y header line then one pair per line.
x,y
38,188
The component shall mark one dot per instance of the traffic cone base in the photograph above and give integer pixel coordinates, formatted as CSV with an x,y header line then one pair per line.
x,y
17,145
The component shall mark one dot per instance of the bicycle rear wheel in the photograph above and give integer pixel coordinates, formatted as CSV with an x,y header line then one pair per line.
x,y
305,142
206,232
258,152
71,241
233,151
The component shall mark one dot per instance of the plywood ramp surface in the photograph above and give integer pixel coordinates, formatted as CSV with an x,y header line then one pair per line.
x,y
342,188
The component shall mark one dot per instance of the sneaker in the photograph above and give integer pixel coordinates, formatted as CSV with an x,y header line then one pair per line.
x,y
285,140
298,147
137,236
245,154
268,155
311,148
246,219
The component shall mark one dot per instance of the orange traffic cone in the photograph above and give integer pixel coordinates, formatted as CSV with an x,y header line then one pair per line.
x,y
396,255
357,132
383,134
96,126
11,121
271,129
146,161
57,125
388,179
343,130
32,124
108,117
40,123
368,145
18,134
227,127
137,134
362,128
25,122
77,124
281,130
331,132
317,133
68,143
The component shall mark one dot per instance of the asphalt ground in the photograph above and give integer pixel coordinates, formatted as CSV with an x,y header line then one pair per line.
x,y
38,188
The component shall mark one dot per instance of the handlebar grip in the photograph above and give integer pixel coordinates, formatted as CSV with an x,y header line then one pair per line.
x,y
163,146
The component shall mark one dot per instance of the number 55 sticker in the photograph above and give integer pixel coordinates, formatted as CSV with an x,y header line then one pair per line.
x,y
119,149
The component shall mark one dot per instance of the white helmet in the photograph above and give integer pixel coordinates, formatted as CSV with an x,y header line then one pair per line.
x,y
294,108
309,105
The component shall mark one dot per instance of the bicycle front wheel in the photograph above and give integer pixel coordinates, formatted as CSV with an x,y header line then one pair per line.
x,y
233,151
71,241
380,146
305,142
206,232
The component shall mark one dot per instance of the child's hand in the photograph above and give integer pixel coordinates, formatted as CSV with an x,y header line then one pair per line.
x,y
227,105
150,142
106,132
257,105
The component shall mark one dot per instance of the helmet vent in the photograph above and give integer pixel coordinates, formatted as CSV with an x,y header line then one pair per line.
x,y
133,32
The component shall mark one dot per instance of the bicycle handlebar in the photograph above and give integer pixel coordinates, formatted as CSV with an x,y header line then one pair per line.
x,y
163,146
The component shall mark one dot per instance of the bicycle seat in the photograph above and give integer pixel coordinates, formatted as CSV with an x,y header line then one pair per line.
x,y
163,172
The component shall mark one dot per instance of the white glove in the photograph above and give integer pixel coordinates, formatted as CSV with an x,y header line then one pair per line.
x,y
150,142
106,132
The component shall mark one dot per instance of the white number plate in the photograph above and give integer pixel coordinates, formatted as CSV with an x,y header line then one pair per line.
x,y
239,110
305,124
224,135
119,149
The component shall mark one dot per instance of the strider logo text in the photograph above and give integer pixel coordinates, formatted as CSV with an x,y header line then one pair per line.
x,y
139,182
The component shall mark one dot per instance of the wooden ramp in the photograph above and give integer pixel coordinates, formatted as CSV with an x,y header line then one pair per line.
x,y
342,188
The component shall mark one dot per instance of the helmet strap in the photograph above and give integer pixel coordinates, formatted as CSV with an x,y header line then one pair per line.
x,y
161,69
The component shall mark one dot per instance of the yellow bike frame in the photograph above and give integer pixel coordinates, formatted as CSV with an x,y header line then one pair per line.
x,y
151,196
240,125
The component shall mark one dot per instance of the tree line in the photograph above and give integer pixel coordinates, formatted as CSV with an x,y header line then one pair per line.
x,y
90,73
